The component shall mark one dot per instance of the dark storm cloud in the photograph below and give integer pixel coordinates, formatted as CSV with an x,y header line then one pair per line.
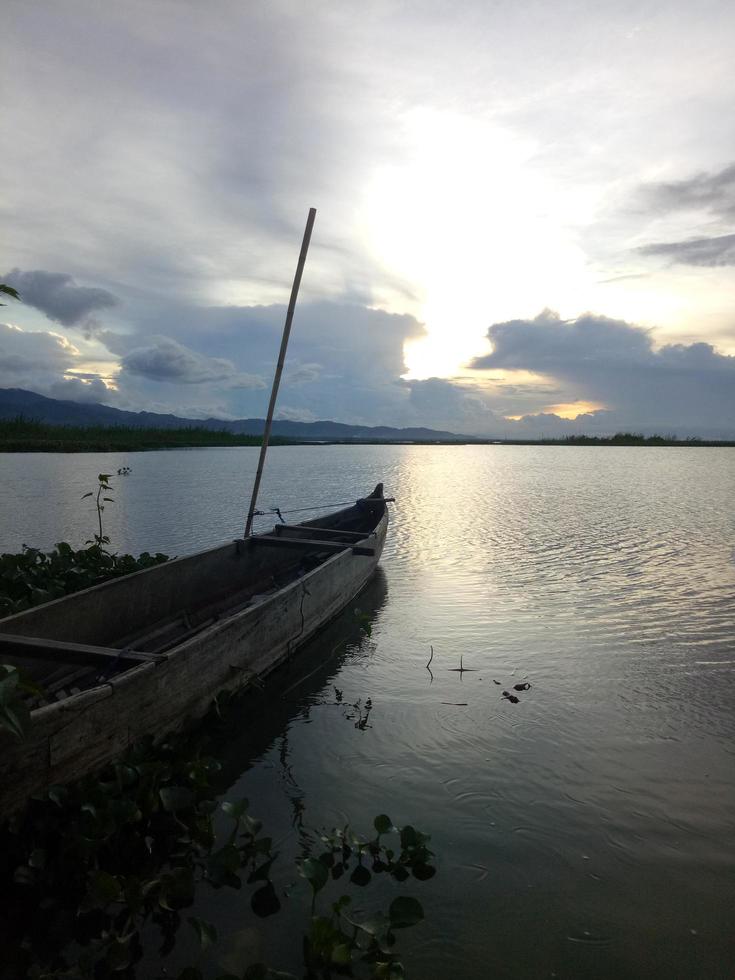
x,y
58,296
708,252
548,344
167,360
344,360
26,354
91,390
614,363
443,403
348,339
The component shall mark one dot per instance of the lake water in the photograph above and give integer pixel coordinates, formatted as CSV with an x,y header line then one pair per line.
x,y
585,832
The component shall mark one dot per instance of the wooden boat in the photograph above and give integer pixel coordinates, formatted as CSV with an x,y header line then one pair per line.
x,y
144,653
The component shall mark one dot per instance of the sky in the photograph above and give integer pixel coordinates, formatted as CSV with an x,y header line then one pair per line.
x,y
525,211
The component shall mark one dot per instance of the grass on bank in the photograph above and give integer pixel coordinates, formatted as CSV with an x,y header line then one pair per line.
x,y
28,435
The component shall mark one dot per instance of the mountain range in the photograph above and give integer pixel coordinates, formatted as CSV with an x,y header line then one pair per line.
x,y
18,401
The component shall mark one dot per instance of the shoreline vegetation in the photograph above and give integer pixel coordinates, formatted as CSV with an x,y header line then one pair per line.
x,y
23,435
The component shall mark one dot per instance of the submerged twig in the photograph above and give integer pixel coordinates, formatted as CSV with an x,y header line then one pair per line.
x,y
462,669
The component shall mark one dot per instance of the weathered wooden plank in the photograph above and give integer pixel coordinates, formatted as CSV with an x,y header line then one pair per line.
x,y
66,652
313,544
309,529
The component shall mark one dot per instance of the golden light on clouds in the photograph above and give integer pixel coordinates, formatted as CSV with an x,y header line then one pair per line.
x,y
570,410
87,370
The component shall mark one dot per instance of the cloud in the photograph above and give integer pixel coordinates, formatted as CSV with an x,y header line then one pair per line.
x,y
713,192
550,344
169,361
289,414
303,374
91,390
344,360
26,354
58,296
709,252
705,194
451,405
677,387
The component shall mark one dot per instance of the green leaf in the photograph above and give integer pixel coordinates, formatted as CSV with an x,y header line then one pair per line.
x,y
228,857
390,971
405,912
341,955
383,823
409,836
205,931
360,876
235,808
58,795
14,714
191,973
262,873
223,865
423,871
177,889
259,971
119,955
9,291
265,901
176,798
102,889
316,873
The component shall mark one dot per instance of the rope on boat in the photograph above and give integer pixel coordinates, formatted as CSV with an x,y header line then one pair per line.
x,y
300,510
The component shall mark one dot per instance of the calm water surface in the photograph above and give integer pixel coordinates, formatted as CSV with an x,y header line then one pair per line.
x,y
586,831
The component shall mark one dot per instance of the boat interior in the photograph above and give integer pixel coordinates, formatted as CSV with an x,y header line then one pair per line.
x,y
81,640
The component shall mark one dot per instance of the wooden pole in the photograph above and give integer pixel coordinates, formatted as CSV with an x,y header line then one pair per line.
x,y
279,367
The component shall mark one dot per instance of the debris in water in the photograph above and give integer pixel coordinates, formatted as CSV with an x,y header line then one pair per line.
x,y
462,669
510,697
522,687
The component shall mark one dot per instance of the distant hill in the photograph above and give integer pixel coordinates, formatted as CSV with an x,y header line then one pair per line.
x,y
18,401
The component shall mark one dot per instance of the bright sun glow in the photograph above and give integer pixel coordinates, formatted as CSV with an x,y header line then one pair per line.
x,y
570,410
478,228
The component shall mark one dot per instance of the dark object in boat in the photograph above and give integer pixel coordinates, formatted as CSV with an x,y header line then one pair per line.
x,y
147,652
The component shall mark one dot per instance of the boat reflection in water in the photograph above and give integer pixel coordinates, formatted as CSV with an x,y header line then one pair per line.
x,y
258,720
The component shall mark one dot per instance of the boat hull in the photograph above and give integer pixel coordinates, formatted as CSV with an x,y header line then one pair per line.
x,y
80,733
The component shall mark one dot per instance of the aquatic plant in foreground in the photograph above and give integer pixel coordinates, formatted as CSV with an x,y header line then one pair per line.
x,y
90,869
